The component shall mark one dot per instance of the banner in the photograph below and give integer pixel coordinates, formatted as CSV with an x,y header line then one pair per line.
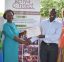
x,y
27,17
23,5
27,12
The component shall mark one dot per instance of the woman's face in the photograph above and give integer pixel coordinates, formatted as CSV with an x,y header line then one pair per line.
x,y
9,16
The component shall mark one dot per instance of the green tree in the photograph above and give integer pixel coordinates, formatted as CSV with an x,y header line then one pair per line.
x,y
46,5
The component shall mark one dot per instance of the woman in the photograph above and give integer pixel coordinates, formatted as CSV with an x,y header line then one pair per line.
x,y
11,41
61,41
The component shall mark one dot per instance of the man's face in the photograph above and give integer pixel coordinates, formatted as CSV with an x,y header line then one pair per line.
x,y
52,15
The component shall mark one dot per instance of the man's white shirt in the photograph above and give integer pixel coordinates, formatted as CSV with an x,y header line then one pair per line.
x,y
51,30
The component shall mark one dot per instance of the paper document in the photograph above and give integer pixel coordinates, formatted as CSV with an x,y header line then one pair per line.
x,y
34,39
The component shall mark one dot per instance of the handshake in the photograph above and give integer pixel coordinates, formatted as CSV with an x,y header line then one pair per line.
x,y
31,40
27,41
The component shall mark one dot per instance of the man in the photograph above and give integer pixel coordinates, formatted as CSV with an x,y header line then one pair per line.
x,y
51,31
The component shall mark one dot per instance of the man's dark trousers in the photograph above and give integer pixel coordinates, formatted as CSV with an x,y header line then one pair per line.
x,y
48,52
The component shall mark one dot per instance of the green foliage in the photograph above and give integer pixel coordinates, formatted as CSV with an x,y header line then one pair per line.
x,y
1,13
0,40
46,5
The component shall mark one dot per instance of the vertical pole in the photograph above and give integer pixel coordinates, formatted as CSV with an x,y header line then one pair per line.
x,y
22,53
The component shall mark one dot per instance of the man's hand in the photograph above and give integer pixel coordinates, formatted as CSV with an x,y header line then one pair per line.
x,y
41,36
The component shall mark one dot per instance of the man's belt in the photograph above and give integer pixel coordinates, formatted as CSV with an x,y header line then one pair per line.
x,y
48,43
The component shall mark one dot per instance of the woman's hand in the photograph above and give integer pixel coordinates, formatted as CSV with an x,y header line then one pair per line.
x,y
22,41
25,42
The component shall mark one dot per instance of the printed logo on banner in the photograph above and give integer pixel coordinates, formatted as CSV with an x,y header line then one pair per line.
x,y
23,4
